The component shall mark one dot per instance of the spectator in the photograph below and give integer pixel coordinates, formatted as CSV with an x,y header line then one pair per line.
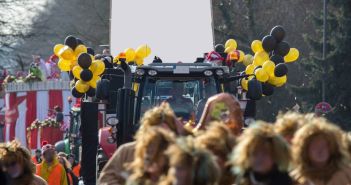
x,y
36,159
320,155
222,107
71,178
261,157
190,165
75,165
220,141
150,161
17,164
50,169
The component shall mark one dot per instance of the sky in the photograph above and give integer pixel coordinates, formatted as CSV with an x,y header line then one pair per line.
x,y
174,30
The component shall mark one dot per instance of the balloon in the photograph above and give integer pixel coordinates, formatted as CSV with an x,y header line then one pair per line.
x,y
280,70
250,69
269,67
229,50
256,46
86,75
139,61
76,94
234,55
282,49
219,48
84,60
91,92
130,54
278,81
244,84
260,57
81,86
278,33
57,48
292,55
267,89
269,43
248,59
277,59
254,89
92,82
241,56
143,51
64,65
79,42
261,75
90,51
80,49
66,53
71,42
76,71
231,43
97,67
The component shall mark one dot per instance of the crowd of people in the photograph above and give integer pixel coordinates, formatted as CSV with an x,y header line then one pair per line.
x,y
298,149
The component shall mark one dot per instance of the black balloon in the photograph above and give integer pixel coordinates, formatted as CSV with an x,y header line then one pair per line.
x,y
71,42
90,51
84,60
79,41
86,75
269,43
278,33
258,67
219,48
91,92
282,49
280,70
254,89
277,59
76,94
267,89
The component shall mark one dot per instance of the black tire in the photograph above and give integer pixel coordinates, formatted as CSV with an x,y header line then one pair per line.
x,y
102,89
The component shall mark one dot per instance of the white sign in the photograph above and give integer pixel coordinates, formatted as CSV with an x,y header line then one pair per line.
x,y
176,31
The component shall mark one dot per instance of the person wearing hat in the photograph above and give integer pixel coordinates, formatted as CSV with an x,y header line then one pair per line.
x,y
50,169
36,159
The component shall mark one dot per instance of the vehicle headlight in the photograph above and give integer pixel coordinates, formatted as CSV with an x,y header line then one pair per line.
x,y
208,73
152,72
219,72
140,72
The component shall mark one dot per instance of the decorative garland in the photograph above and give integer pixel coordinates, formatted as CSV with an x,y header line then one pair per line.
x,y
49,122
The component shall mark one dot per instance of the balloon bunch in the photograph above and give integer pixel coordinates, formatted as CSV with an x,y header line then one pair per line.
x,y
233,54
268,66
135,56
87,72
68,52
76,58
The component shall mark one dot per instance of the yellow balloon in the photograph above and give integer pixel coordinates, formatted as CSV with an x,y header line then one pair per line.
x,y
260,57
92,82
250,69
76,71
64,65
261,75
245,84
241,56
278,81
130,54
97,67
248,59
256,46
143,51
81,86
139,61
269,67
80,49
66,53
57,48
292,55
231,43
229,49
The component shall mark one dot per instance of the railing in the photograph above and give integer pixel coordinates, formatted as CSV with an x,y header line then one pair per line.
x,y
37,86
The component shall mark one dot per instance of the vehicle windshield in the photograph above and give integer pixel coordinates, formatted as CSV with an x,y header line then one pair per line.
x,y
186,97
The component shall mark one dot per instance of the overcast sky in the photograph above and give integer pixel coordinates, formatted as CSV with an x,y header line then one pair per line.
x,y
178,30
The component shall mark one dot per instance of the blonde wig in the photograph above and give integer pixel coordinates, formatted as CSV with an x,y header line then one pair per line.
x,y
219,104
257,135
288,123
333,135
153,136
